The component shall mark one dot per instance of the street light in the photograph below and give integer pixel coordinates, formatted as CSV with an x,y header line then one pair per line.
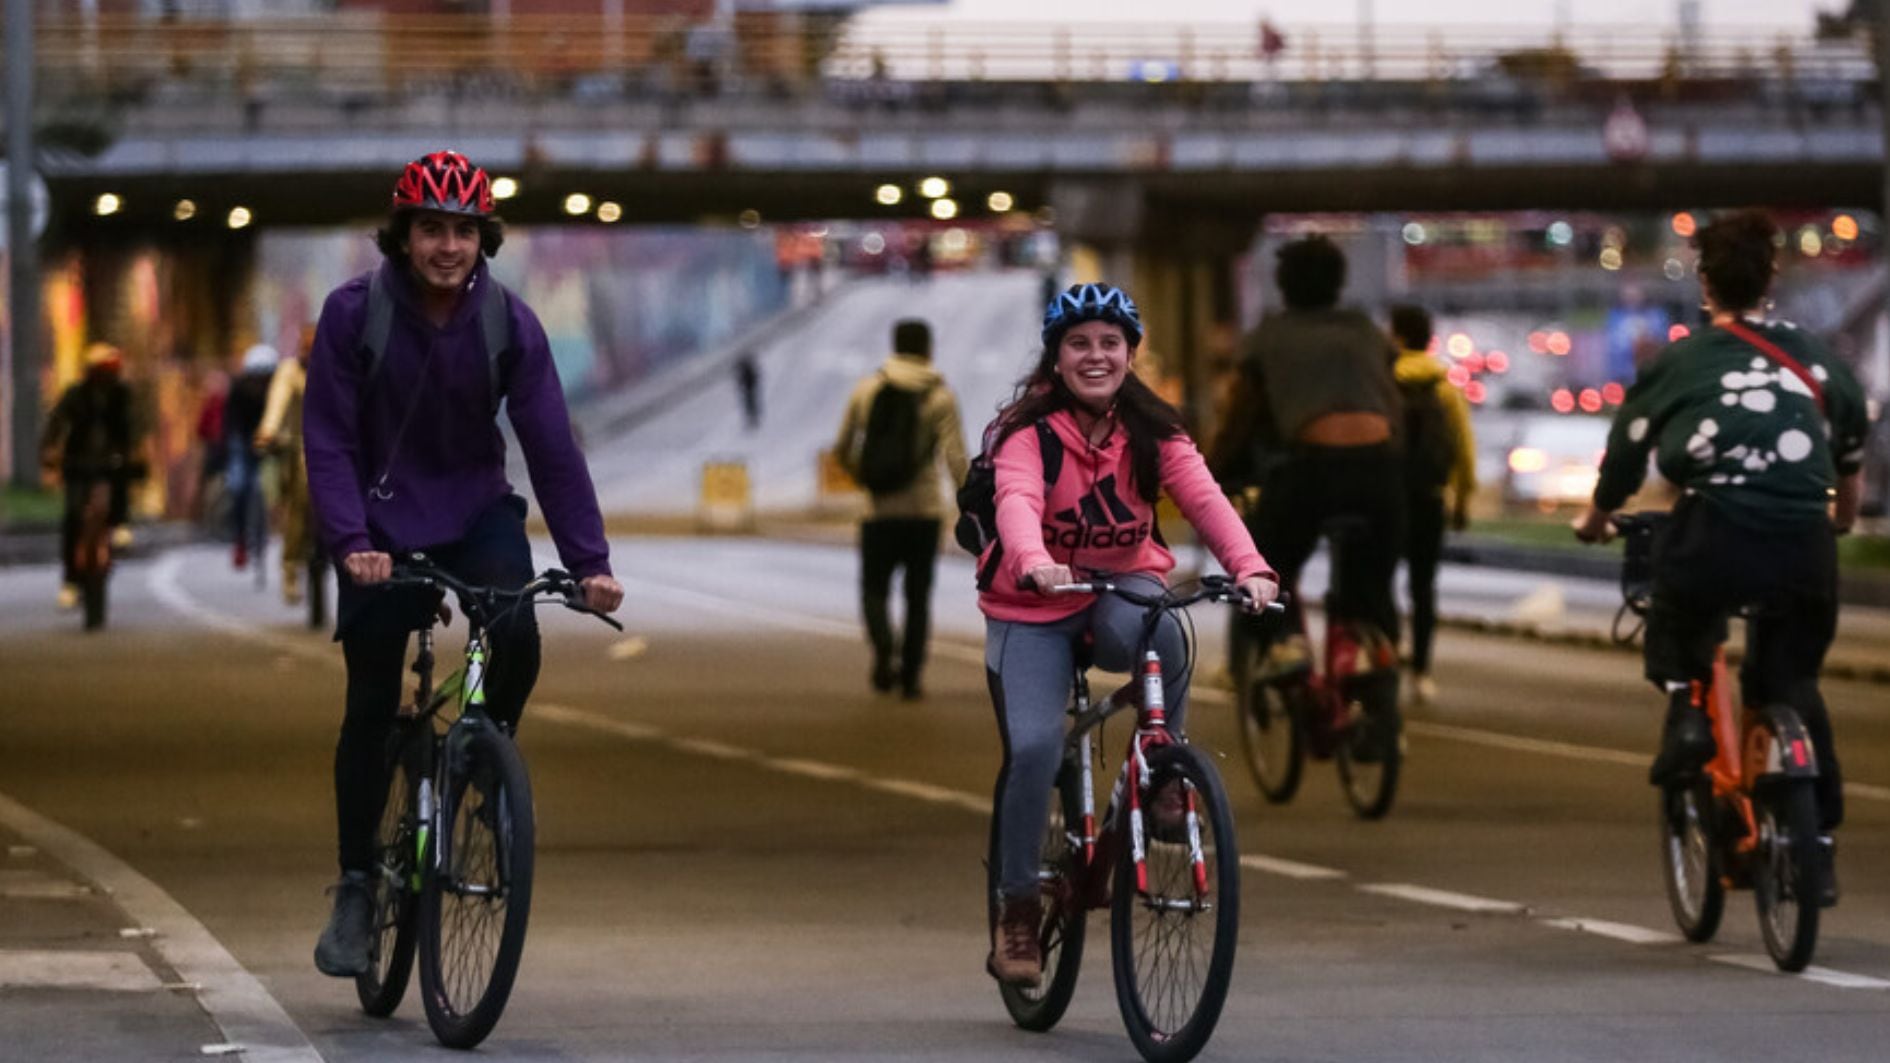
x,y
239,217
935,188
577,203
889,195
608,211
999,202
944,209
107,204
184,210
504,187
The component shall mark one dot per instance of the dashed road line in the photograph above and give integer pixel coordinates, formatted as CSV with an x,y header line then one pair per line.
x,y
1274,865
1462,902
1820,975
1633,935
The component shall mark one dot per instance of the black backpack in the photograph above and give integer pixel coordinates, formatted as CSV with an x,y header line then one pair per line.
x,y
977,499
495,328
1429,452
896,448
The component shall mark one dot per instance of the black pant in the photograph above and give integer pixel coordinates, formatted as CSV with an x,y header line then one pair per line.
x,y
893,543
78,486
1364,485
1707,568
1423,549
373,628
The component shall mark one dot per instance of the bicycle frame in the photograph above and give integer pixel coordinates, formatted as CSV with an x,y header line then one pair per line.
x,y
1099,846
1754,747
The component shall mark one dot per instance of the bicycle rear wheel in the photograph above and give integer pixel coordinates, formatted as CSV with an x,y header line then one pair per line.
x,y
1271,740
1064,916
1371,752
475,905
1787,877
396,879
1173,943
1689,852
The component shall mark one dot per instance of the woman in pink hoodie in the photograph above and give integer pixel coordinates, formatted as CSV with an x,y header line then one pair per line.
x,y
1083,452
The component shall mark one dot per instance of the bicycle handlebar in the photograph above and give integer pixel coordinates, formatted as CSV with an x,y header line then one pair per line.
x,y
416,570
1212,588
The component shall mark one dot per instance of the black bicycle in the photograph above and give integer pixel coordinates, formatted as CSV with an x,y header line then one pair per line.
x,y
454,850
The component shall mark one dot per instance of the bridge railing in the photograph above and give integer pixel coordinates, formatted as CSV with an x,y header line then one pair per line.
x,y
369,54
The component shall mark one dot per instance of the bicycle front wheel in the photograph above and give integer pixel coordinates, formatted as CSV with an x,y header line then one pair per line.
x,y
1173,942
474,908
1371,752
1064,915
396,879
1689,858
1270,738
1787,878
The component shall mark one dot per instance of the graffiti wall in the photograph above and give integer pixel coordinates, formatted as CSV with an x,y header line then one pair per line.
x,y
617,304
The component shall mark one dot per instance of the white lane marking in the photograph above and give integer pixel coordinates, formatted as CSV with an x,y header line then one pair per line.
x,y
1633,935
164,585
1273,865
1820,975
814,769
1462,902
1548,747
120,972
234,999
40,886
708,747
921,791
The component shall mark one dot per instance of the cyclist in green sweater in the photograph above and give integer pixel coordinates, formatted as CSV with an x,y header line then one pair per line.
x,y
1763,429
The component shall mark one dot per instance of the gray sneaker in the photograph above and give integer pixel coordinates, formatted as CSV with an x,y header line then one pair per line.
x,y
343,949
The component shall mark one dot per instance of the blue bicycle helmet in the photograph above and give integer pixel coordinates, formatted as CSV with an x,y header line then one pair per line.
x,y
1091,302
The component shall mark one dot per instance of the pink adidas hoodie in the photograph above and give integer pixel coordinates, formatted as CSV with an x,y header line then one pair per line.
x,y
1094,518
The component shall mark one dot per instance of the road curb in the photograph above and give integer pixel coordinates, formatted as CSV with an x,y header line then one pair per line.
x,y
1878,675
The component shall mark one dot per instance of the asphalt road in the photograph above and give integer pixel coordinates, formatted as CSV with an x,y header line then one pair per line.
x,y
744,854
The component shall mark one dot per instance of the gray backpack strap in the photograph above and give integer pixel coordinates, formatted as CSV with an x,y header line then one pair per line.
x,y
495,327
379,325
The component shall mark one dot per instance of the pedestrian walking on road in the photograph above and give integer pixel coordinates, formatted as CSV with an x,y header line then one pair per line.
x,y
1440,476
242,416
900,423
280,434
400,429
748,379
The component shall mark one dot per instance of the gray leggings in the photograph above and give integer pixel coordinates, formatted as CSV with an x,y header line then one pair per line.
x,y
1031,668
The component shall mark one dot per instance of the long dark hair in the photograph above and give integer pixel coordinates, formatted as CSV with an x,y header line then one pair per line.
x,y
1145,417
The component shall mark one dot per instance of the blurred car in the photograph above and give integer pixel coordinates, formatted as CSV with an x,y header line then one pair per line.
x,y
1550,459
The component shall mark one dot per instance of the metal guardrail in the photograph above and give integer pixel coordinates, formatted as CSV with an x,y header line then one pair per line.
x,y
370,53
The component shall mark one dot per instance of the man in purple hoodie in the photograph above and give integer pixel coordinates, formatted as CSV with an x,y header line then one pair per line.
x,y
404,453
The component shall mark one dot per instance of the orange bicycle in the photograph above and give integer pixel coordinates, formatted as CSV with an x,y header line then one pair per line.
x,y
1749,818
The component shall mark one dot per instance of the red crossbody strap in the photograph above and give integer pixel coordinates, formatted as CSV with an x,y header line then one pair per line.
x,y
1772,350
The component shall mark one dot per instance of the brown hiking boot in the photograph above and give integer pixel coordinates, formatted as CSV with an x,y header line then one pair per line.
x,y
1016,958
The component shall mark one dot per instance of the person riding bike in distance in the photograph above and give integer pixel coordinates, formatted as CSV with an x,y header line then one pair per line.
x,y
92,434
400,433
1120,446
1763,429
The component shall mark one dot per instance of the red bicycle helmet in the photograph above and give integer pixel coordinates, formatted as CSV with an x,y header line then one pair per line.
x,y
444,181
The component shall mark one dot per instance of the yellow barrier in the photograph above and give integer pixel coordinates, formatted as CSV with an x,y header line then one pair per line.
x,y
727,500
